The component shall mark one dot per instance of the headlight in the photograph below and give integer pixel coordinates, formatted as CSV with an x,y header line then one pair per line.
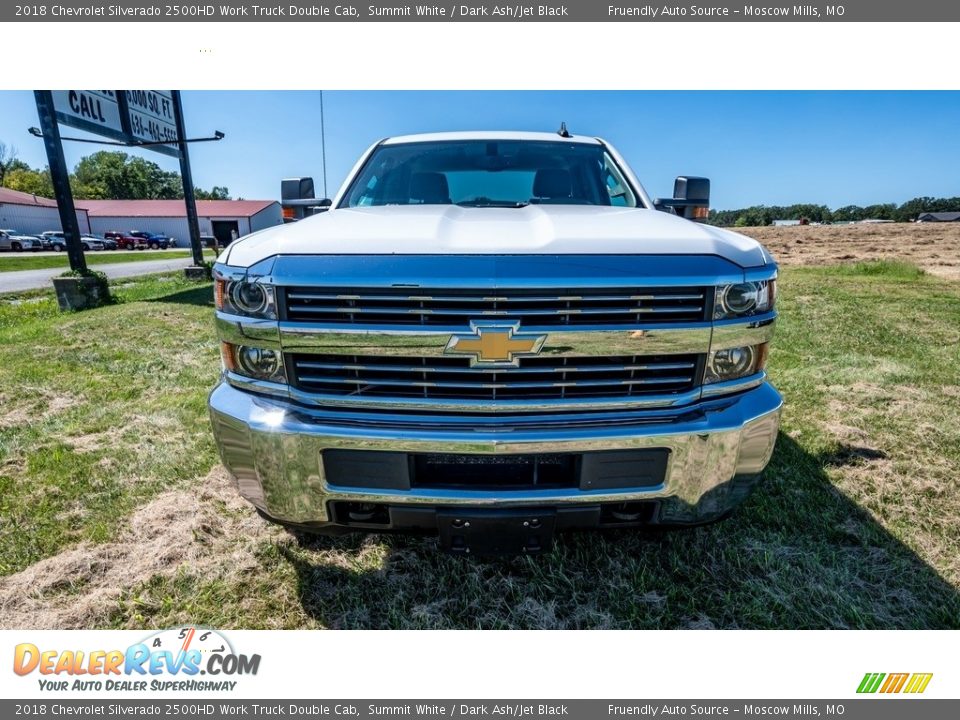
x,y
243,297
734,363
744,299
253,362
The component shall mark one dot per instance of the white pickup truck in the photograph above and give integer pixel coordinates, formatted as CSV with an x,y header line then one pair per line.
x,y
493,337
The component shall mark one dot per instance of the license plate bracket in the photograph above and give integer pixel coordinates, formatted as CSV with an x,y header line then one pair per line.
x,y
496,532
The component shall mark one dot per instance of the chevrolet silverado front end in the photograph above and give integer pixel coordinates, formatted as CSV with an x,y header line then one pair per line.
x,y
495,337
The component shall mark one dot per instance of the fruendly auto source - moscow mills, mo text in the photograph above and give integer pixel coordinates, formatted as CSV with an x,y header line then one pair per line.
x,y
464,11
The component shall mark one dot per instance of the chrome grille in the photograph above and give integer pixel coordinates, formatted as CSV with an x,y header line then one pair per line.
x,y
532,307
544,377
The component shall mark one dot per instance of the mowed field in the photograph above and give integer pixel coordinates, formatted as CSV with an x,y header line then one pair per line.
x,y
114,511
933,247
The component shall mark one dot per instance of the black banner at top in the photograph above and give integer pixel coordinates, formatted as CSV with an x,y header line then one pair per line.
x,y
482,11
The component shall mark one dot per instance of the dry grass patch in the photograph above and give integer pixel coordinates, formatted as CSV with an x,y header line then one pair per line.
x,y
207,531
934,247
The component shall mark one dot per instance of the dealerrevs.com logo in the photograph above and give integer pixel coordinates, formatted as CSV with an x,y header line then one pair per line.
x,y
169,660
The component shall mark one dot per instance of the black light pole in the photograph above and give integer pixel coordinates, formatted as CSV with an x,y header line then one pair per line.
x,y
60,177
189,197
323,147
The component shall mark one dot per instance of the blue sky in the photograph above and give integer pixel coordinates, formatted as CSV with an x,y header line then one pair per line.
x,y
835,148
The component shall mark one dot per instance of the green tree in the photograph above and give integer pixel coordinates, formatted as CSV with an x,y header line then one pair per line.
x,y
219,192
35,182
118,176
9,162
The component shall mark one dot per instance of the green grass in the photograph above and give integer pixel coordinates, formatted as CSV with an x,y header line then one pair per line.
x,y
11,263
113,512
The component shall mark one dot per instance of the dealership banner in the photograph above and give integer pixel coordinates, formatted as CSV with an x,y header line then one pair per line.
x,y
857,673
212,708
480,11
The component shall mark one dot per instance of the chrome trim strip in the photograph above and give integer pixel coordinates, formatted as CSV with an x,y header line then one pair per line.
x,y
240,330
738,333
420,341
489,408
729,387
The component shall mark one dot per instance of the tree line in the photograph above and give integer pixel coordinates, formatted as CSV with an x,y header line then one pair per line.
x,y
104,175
765,214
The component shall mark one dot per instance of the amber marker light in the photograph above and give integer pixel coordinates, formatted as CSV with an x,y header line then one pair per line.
x,y
226,355
219,290
763,350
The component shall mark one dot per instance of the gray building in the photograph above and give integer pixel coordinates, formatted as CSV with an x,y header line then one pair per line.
x,y
939,217
32,214
225,219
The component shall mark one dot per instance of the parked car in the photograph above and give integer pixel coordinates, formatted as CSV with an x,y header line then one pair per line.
x,y
92,242
16,241
124,241
154,241
53,240
527,259
208,241
108,244
59,243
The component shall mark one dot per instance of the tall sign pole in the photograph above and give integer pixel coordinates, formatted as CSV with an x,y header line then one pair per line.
x,y
189,197
60,177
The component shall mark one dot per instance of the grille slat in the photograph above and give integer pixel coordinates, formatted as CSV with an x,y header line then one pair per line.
x,y
535,378
401,306
298,295
326,380
327,310
307,364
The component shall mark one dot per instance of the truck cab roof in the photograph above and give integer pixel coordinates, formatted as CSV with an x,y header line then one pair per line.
x,y
490,135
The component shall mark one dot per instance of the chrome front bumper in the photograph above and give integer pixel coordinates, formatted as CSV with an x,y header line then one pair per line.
x,y
274,447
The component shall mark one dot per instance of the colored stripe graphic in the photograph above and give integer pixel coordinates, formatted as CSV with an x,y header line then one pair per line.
x,y
870,682
918,682
894,683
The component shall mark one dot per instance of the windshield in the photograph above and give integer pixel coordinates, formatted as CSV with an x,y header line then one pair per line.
x,y
489,173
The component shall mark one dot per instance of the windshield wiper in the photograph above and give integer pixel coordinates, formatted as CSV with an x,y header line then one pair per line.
x,y
491,203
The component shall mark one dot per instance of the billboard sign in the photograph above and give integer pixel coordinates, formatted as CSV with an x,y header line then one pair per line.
x,y
127,116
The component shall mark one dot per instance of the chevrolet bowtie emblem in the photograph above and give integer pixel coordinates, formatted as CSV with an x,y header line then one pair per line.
x,y
495,344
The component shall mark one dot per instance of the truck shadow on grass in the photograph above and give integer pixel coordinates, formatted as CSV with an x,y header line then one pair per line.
x,y
201,296
798,554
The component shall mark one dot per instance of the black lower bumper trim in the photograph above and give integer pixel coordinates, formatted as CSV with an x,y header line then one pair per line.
x,y
489,531
601,470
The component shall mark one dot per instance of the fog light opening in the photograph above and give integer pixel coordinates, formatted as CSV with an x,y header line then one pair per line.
x,y
258,362
629,513
361,513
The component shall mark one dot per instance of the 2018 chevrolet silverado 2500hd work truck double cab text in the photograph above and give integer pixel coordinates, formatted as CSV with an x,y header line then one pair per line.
x,y
494,337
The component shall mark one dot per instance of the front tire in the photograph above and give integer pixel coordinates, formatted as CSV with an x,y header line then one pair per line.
x,y
16,247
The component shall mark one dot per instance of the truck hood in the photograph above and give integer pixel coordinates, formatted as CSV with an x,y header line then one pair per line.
x,y
531,230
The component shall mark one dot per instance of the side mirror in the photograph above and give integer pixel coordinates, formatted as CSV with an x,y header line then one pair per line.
x,y
297,200
691,198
